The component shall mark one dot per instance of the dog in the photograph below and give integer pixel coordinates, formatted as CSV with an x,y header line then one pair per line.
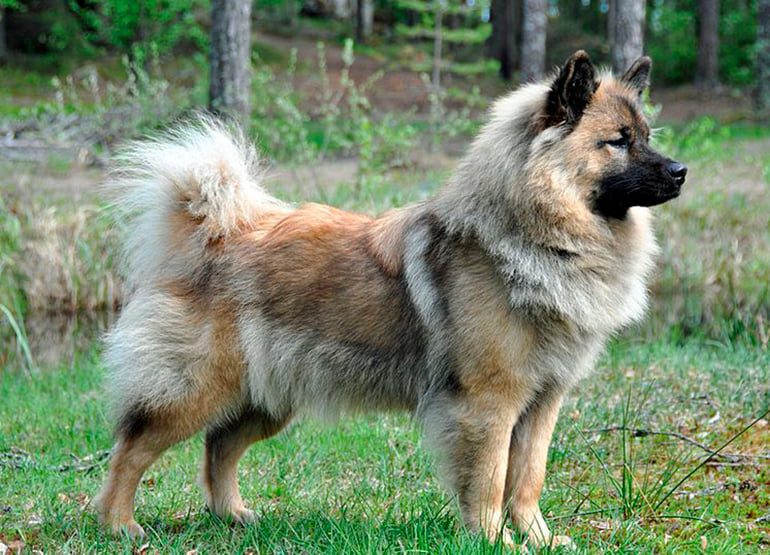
x,y
476,310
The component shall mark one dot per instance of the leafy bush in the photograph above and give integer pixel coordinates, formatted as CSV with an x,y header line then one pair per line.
x,y
141,28
673,40
738,33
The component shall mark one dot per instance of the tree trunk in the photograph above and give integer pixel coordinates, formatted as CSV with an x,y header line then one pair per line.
x,y
230,86
364,19
505,16
627,33
3,44
534,23
763,58
707,70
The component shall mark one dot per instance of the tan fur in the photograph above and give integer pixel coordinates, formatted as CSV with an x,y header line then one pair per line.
x,y
476,310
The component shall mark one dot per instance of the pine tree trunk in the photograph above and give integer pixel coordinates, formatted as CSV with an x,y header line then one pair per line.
x,y
364,19
534,23
627,33
707,70
502,44
763,58
230,86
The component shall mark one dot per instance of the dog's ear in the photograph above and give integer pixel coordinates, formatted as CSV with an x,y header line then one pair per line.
x,y
571,91
638,75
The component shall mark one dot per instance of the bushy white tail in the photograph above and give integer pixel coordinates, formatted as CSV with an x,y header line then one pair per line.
x,y
201,174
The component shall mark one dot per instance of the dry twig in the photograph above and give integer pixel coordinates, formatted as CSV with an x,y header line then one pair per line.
x,y
718,458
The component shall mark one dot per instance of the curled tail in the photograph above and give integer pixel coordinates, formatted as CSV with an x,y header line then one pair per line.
x,y
177,192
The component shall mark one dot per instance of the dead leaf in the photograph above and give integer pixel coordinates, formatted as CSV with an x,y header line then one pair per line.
x,y
83,500
601,524
704,543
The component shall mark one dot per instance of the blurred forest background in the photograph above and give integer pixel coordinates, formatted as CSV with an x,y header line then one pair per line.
x,y
367,105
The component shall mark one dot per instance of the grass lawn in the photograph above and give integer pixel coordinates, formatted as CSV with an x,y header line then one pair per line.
x,y
365,485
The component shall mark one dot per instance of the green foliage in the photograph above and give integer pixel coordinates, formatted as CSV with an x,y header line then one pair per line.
x,y
143,27
463,28
673,40
738,34
462,36
12,299
279,11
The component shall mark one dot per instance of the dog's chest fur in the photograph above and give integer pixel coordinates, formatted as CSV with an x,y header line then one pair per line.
x,y
530,312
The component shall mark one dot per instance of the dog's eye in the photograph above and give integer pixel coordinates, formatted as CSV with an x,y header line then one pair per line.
x,y
622,142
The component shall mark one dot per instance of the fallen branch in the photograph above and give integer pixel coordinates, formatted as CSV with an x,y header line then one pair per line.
x,y
85,464
733,458
18,458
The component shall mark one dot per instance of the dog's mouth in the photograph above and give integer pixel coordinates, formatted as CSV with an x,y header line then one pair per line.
x,y
656,195
614,202
671,191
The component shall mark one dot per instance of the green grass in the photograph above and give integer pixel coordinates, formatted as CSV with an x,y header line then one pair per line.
x,y
366,485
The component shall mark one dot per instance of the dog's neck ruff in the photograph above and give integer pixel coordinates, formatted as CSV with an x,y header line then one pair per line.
x,y
598,288
557,258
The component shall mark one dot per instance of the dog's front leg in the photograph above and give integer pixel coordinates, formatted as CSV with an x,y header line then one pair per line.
x,y
472,436
526,468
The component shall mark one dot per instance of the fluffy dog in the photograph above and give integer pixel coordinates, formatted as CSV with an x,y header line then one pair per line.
x,y
476,310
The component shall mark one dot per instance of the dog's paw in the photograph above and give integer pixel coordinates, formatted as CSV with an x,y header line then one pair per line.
x,y
132,529
506,538
243,516
238,514
562,541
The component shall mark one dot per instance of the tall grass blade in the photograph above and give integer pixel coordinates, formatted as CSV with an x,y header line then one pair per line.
x,y
21,336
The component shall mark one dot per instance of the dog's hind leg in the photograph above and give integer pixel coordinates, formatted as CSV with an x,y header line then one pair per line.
x,y
526,468
225,444
142,436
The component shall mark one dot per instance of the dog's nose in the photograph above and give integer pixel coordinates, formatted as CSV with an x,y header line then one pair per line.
x,y
677,171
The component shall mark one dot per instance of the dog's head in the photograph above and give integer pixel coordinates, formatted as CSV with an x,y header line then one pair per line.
x,y
607,137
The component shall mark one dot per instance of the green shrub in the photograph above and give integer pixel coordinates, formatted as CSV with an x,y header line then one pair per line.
x,y
139,28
